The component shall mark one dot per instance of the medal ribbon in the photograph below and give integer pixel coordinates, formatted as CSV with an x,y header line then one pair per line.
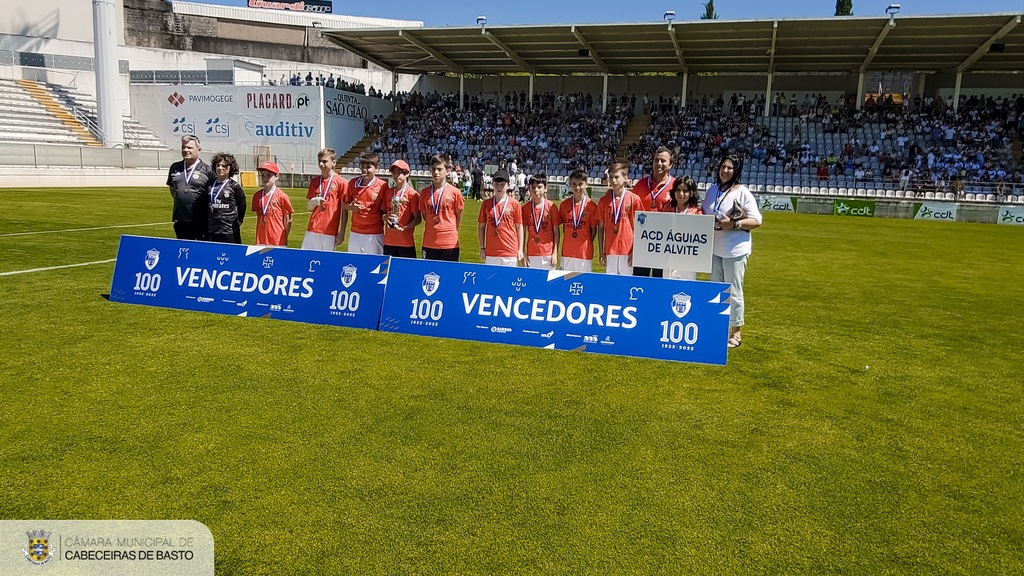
x,y
215,195
267,201
538,221
325,191
498,213
656,195
577,217
617,210
720,199
189,173
436,204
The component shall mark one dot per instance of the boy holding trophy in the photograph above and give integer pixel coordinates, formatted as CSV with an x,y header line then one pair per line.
x,y
403,205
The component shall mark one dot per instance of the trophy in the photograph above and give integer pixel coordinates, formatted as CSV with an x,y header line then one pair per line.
x,y
396,207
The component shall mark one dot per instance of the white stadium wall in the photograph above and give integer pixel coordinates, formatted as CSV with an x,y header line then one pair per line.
x,y
38,20
294,121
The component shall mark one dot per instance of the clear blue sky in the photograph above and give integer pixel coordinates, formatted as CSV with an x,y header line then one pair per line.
x,y
464,12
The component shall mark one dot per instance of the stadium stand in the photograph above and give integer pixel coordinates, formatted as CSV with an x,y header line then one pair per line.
x,y
27,119
553,137
43,113
929,152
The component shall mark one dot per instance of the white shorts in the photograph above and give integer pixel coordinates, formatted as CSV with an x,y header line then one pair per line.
x,y
618,265
365,243
501,260
577,264
542,262
314,241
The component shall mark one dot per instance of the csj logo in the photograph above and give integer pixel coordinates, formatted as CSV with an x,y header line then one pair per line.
x,y
183,126
217,128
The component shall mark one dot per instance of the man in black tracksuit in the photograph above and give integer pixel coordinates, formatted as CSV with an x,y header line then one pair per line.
x,y
189,181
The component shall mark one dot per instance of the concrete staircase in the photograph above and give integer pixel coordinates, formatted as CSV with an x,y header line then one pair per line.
x,y
60,112
367,141
634,131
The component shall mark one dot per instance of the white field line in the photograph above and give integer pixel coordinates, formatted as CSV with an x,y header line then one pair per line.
x,y
14,272
83,229
99,228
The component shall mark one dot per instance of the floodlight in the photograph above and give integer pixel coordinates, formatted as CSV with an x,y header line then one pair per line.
x,y
893,9
481,20
670,15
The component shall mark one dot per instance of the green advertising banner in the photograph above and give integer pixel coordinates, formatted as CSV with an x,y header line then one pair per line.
x,y
1011,215
847,207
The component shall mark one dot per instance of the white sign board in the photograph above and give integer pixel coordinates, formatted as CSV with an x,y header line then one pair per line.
x,y
1011,215
680,242
943,211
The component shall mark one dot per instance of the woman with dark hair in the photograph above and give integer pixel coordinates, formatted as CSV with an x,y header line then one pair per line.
x,y
226,202
683,200
735,210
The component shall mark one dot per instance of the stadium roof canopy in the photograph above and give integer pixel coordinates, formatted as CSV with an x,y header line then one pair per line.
x,y
978,42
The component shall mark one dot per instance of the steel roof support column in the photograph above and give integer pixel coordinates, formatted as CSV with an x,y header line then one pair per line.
x,y
860,90
604,96
682,95
529,101
768,100
462,91
956,92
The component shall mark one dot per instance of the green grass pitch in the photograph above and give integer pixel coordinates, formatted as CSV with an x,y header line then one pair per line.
x,y
871,423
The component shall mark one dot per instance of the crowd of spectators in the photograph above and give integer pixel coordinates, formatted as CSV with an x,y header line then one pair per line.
x,y
556,134
917,144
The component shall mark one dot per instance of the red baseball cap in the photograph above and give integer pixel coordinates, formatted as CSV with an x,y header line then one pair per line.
x,y
270,167
400,164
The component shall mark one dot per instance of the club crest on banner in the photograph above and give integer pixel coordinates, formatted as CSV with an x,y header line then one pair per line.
x,y
431,282
348,276
152,257
680,304
38,551
641,218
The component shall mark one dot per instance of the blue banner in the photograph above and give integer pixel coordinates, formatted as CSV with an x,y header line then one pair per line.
x,y
334,288
630,316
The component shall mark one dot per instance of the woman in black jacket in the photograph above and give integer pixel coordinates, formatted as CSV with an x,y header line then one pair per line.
x,y
226,202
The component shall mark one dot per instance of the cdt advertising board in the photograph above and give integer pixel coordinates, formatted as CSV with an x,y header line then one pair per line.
x,y
941,211
1011,215
777,203
334,288
673,241
848,207
607,314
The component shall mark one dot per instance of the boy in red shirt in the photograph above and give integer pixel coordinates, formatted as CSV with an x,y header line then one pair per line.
x,y
363,197
540,218
324,196
500,226
579,217
442,206
273,209
403,205
615,231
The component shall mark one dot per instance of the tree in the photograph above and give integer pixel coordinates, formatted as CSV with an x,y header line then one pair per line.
x,y
709,11
844,7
